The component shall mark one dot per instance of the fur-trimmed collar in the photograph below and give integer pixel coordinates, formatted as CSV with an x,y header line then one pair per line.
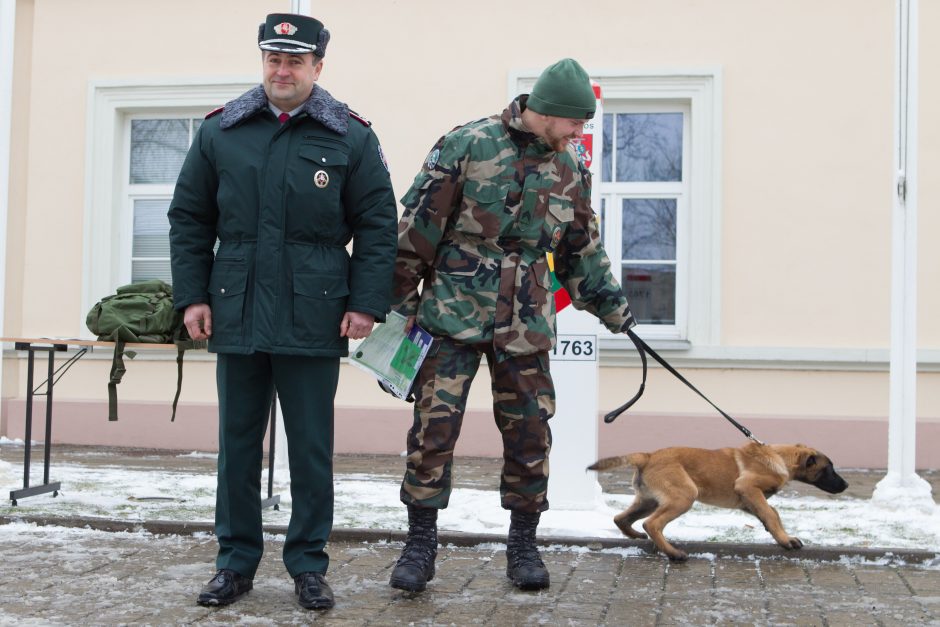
x,y
321,106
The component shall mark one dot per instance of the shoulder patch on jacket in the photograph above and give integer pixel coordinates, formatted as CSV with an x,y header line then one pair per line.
x,y
214,112
359,118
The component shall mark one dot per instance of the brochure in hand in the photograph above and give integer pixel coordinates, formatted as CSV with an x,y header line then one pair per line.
x,y
392,356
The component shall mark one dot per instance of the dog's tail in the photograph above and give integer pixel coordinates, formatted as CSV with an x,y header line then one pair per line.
x,y
637,460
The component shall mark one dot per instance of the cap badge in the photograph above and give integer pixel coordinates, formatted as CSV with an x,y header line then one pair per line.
x,y
321,179
285,28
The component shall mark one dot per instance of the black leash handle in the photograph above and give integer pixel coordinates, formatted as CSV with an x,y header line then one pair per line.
x,y
643,348
609,418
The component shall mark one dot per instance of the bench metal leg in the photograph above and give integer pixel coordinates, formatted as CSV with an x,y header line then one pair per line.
x,y
28,448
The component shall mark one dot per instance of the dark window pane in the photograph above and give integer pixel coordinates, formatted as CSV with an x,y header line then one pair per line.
x,y
651,292
649,147
649,228
608,147
158,148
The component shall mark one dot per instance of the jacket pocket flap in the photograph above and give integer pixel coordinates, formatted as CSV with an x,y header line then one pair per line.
x,y
541,274
228,279
560,207
323,155
323,286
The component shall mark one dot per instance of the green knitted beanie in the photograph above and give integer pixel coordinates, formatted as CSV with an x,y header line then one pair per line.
x,y
563,90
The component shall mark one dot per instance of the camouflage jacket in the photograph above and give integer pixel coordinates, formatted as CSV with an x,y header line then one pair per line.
x,y
491,201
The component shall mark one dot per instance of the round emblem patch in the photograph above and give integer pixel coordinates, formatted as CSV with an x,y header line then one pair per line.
x,y
432,158
321,179
556,237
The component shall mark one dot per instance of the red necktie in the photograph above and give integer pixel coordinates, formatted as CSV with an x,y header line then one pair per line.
x,y
283,117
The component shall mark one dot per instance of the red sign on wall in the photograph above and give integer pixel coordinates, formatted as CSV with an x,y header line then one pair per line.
x,y
585,148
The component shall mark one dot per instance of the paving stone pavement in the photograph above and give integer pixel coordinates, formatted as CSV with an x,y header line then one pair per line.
x,y
94,572
72,576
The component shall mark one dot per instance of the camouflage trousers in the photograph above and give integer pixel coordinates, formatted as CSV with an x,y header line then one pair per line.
x,y
523,402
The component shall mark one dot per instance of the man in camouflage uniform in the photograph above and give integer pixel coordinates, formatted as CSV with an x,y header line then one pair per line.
x,y
494,199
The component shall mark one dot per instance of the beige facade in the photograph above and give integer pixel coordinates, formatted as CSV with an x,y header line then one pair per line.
x,y
787,244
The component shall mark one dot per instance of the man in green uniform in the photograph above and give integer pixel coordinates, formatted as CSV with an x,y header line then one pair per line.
x,y
284,176
495,199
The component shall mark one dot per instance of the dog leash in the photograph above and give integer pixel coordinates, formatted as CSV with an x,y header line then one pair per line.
x,y
644,348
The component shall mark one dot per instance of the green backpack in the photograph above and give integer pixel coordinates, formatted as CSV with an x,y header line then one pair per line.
x,y
139,312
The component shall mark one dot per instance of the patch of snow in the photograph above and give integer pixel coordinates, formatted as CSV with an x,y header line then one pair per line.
x,y
372,501
199,455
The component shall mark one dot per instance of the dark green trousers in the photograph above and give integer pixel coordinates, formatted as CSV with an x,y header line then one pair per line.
x,y
306,387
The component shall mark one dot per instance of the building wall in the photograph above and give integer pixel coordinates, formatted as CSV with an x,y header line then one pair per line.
x,y
804,192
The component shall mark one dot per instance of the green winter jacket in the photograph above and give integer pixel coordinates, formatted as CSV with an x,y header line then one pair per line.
x,y
283,201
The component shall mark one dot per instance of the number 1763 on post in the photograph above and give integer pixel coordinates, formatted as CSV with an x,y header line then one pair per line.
x,y
575,348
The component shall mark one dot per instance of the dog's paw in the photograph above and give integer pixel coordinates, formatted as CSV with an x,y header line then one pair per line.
x,y
792,543
627,529
630,532
678,556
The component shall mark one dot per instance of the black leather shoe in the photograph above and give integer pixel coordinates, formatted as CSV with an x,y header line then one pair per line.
x,y
226,587
313,593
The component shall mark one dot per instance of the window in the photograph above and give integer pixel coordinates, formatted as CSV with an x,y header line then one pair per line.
x,y
156,149
643,174
658,198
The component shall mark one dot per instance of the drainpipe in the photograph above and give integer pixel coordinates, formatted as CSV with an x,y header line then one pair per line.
x,y
7,27
902,485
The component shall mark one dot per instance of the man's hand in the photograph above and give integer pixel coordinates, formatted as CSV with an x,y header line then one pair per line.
x,y
410,322
356,325
198,321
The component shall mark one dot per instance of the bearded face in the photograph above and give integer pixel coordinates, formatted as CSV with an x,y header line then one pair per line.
x,y
558,132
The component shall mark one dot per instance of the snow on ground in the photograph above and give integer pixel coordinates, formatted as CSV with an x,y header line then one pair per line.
x,y
368,501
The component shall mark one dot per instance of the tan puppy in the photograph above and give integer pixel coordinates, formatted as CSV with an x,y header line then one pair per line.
x,y
670,480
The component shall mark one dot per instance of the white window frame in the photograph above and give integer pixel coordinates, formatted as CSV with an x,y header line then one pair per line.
x,y
700,89
106,253
613,191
